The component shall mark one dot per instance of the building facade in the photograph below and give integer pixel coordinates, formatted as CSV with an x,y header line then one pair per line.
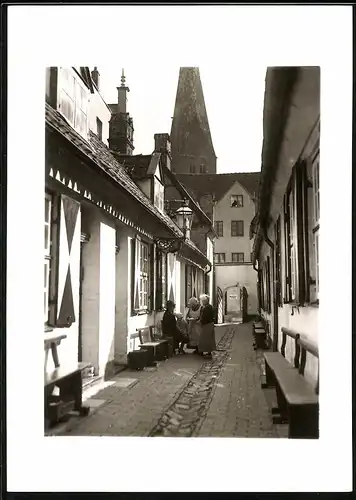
x,y
110,261
287,224
229,199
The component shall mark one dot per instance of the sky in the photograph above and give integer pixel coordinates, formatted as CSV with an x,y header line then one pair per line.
x,y
233,96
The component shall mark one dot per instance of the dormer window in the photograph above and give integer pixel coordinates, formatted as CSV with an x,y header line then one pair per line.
x,y
237,201
73,98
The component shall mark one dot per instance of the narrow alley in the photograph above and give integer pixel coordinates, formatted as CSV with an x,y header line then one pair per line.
x,y
186,396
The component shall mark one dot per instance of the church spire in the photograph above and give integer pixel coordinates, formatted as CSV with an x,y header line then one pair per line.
x,y
192,146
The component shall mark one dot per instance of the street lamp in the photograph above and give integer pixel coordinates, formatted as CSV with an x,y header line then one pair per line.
x,y
184,218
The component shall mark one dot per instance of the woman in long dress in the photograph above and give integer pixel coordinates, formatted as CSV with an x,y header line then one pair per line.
x,y
206,342
192,318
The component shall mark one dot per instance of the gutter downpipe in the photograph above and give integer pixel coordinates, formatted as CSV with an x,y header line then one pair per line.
x,y
274,301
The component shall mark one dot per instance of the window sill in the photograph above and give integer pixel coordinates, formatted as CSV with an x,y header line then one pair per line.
x,y
142,312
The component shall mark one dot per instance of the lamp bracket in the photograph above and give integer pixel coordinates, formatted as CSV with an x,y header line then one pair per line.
x,y
169,245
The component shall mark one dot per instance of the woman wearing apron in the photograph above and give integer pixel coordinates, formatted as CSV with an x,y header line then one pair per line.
x,y
192,317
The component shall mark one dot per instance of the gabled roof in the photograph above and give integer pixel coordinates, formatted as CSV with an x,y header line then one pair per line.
x,y
100,154
140,166
219,184
185,194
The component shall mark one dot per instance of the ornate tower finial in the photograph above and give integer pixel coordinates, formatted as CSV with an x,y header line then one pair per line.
x,y
123,78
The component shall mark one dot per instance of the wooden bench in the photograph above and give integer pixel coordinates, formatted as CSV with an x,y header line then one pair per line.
x,y
260,334
68,379
157,349
298,401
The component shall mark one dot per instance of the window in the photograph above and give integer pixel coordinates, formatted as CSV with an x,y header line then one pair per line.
x,y
316,222
314,225
219,228
73,100
99,128
237,257
142,259
202,169
278,261
219,258
47,252
237,200
158,194
296,239
161,280
188,283
192,169
237,228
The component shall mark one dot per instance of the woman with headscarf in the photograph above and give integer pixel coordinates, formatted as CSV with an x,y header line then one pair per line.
x,y
192,317
206,342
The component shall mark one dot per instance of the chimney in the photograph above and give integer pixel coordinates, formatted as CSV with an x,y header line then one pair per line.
x,y
163,146
96,77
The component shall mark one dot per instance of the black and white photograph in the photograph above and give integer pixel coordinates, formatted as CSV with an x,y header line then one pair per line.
x,y
184,177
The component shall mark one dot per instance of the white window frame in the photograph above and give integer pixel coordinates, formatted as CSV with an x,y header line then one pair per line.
x,y
77,93
144,280
236,197
218,258
237,257
316,218
219,223
158,194
47,253
236,226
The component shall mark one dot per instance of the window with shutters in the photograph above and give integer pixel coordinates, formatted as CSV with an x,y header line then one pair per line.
x,y
192,168
314,225
47,253
161,280
278,262
73,100
142,287
296,238
219,228
144,276
237,228
237,257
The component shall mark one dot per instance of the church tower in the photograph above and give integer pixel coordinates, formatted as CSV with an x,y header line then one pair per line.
x,y
192,146
121,125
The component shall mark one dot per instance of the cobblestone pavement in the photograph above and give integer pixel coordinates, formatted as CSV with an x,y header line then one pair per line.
x,y
187,396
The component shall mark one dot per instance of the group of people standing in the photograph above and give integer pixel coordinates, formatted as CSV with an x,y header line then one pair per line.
x,y
194,329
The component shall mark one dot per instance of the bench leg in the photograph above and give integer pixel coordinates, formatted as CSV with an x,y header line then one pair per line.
x,y
282,407
78,395
270,380
304,422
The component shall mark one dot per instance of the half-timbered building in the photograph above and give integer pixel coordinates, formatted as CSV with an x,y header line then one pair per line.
x,y
113,255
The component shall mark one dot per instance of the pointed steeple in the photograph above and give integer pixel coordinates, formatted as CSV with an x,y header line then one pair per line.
x,y
192,146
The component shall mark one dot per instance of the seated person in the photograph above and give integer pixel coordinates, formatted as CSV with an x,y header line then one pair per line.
x,y
182,326
169,325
